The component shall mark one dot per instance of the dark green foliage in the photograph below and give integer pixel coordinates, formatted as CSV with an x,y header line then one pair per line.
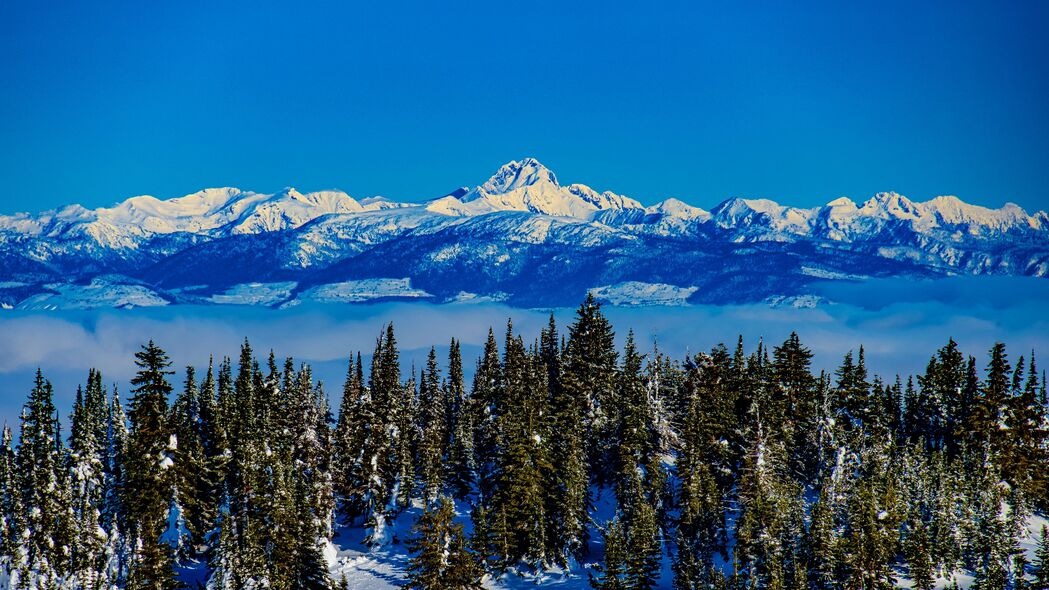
x,y
441,559
612,574
148,464
743,470
435,430
522,468
1040,569
39,475
461,466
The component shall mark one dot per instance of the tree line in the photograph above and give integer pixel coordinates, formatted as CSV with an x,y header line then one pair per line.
x,y
742,470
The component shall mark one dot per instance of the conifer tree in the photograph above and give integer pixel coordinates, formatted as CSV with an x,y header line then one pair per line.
x,y
435,430
1026,451
522,467
376,460
190,469
461,465
1040,569
485,401
986,419
441,559
643,543
10,510
822,540
637,441
919,560
39,466
584,421
86,478
148,479
612,574
351,439
406,444
589,379
796,401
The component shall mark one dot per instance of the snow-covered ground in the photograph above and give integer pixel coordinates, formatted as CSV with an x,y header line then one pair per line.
x,y
256,293
385,567
363,290
638,293
98,293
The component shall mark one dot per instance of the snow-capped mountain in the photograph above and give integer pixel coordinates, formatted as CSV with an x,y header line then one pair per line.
x,y
529,186
520,237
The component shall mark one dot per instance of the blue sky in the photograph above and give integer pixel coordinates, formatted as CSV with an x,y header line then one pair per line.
x,y
801,103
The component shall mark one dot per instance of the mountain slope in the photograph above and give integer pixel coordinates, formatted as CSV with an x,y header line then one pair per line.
x,y
521,237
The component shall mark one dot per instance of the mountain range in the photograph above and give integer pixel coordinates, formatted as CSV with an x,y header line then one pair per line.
x,y
521,237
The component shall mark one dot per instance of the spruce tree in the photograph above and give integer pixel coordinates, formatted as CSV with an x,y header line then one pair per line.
x,y
522,466
440,558
612,573
86,479
986,420
190,468
919,560
461,464
435,430
350,441
485,402
643,543
10,510
147,470
796,398
589,379
1040,569
39,464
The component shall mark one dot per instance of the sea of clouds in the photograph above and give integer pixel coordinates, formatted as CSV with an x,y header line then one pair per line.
x,y
899,323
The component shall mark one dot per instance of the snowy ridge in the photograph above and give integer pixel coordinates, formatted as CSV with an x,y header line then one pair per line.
x,y
529,186
520,236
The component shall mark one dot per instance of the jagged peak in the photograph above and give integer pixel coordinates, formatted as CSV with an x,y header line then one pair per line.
x,y
516,174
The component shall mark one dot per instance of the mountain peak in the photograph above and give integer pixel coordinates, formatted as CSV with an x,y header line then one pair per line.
x,y
514,175
527,185
842,202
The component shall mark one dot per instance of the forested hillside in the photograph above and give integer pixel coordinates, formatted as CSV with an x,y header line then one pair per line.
x,y
735,468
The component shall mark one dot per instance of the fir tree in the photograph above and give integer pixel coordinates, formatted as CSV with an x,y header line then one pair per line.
x,y
39,466
461,464
441,559
351,440
485,401
612,573
919,560
10,510
148,479
435,430
87,479
523,466
1040,569
190,469
589,376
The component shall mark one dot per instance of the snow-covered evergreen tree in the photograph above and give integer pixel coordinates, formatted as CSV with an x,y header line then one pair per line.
x,y
148,477
441,559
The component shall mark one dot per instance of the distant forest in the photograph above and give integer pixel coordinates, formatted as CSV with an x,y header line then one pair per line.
x,y
741,468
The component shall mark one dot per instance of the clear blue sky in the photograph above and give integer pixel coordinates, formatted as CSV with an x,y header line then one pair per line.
x,y
102,101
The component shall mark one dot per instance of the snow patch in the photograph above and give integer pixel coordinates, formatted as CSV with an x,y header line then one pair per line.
x,y
97,294
363,290
255,293
638,293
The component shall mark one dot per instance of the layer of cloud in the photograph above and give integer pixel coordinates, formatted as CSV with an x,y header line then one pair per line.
x,y
900,324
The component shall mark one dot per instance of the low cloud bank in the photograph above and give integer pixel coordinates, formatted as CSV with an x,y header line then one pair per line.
x,y
900,324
